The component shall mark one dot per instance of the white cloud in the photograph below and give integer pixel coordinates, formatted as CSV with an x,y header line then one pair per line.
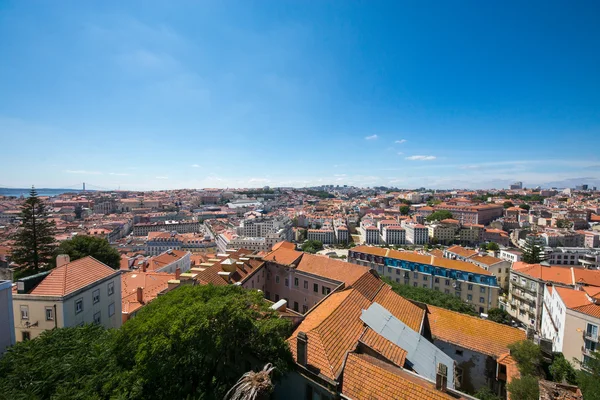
x,y
162,177
421,158
83,172
119,174
195,166
372,137
400,141
400,153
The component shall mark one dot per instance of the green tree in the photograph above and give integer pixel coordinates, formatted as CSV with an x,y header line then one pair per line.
x,y
485,393
500,316
508,204
66,363
312,246
533,251
525,207
404,210
439,215
529,357
563,224
83,246
35,239
493,246
483,246
588,377
524,388
432,297
561,370
198,341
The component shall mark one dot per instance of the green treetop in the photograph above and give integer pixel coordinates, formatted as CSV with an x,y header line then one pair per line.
x,y
83,246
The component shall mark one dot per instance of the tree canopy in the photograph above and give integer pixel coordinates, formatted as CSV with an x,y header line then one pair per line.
x,y
83,246
525,207
35,239
404,210
312,246
194,342
524,388
432,297
492,246
500,316
533,251
439,215
508,204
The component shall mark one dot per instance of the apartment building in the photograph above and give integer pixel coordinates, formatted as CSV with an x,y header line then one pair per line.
x,y
497,236
159,242
512,256
369,234
142,229
459,253
583,256
393,234
570,319
323,235
170,261
468,281
471,233
341,231
498,267
563,239
416,234
7,323
442,233
478,214
526,289
259,226
74,293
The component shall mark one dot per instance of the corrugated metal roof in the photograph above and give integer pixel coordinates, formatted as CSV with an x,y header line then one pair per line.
x,y
421,353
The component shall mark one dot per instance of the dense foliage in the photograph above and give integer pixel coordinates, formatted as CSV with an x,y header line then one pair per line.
x,y
312,246
500,316
99,248
588,379
319,193
529,357
562,370
533,251
35,239
508,204
432,297
439,215
490,246
192,343
524,388
486,393
404,210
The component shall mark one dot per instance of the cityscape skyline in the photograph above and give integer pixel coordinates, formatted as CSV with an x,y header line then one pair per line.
x,y
145,97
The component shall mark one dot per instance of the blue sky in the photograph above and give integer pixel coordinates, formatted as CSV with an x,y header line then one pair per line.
x,y
150,95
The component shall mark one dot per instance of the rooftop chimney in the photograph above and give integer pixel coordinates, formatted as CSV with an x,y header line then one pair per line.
x,y
441,377
140,295
144,266
177,273
302,348
62,259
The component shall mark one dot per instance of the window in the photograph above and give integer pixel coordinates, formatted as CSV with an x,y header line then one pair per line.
x,y
482,300
389,270
305,284
276,297
287,282
415,275
437,280
457,294
316,288
25,336
24,312
78,306
406,282
424,285
296,282
276,278
446,291
481,310
397,271
415,284
592,331
380,268
469,297
97,318
111,309
482,289
296,306
111,288
458,352
304,309
469,287
447,282
49,313
397,280
325,290
96,296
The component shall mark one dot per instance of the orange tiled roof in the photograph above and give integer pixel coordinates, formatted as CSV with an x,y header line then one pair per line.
x,y
472,333
334,327
367,378
166,258
285,245
578,300
283,256
377,251
389,350
559,274
151,282
487,260
331,268
461,251
72,277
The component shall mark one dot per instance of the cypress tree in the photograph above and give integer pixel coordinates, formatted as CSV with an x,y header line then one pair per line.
x,y
34,240
533,251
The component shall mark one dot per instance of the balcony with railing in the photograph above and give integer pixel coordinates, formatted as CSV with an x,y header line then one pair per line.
x,y
591,336
524,286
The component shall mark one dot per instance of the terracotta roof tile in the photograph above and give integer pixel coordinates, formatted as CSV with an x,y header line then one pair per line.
x,y
72,276
461,251
472,333
331,268
389,350
366,378
283,256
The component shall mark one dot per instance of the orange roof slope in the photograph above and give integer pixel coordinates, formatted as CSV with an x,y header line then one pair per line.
x,y
334,327
578,300
283,256
461,251
284,245
549,274
486,259
472,333
331,268
377,251
151,282
72,277
367,378
166,258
